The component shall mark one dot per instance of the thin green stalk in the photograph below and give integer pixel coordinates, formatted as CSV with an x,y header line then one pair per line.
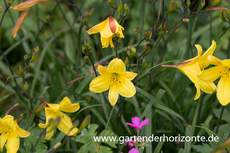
x,y
109,118
219,119
189,38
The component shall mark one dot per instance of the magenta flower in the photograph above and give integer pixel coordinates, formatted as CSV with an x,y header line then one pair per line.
x,y
130,143
136,123
134,150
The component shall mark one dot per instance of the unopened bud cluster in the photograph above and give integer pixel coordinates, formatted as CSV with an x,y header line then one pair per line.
x,y
225,15
131,51
87,15
86,47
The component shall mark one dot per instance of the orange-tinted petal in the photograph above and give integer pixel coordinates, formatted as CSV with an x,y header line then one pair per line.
x,y
27,4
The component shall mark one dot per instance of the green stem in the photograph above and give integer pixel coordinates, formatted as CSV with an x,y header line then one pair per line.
x,y
219,119
109,118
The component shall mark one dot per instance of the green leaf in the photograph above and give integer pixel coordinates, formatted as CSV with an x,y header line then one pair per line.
x,y
204,148
109,134
32,141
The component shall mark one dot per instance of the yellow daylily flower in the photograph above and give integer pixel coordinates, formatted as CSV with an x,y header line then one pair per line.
x,y
27,4
10,133
116,79
65,125
222,69
20,21
107,29
194,66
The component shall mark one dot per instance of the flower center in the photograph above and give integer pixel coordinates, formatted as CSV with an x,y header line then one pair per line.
x,y
226,73
115,79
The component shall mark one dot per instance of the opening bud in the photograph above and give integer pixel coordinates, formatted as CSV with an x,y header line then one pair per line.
x,y
202,4
58,144
131,51
172,7
188,3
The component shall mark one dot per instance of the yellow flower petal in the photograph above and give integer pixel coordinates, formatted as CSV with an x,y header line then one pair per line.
x,y
197,92
22,133
223,89
113,95
116,66
126,87
226,62
120,33
102,70
20,22
100,83
214,61
12,144
3,139
130,75
203,60
199,49
105,42
72,108
67,106
97,28
8,120
27,4
66,124
106,31
212,73
207,87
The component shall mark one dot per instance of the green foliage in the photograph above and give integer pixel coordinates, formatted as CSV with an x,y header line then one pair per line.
x,y
87,138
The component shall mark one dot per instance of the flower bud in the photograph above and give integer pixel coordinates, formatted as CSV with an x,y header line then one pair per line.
x,y
58,144
36,49
26,85
91,12
131,51
34,56
147,33
172,7
84,123
10,2
185,20
25,57
177,5
119,9
188,3
202,4
145,65
89,49
76,123
145,43
86,59
127,9
110,2
147,50
214,3
19,70
126,60
136,30
223,16
40,108
86,43
86,18
47,18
